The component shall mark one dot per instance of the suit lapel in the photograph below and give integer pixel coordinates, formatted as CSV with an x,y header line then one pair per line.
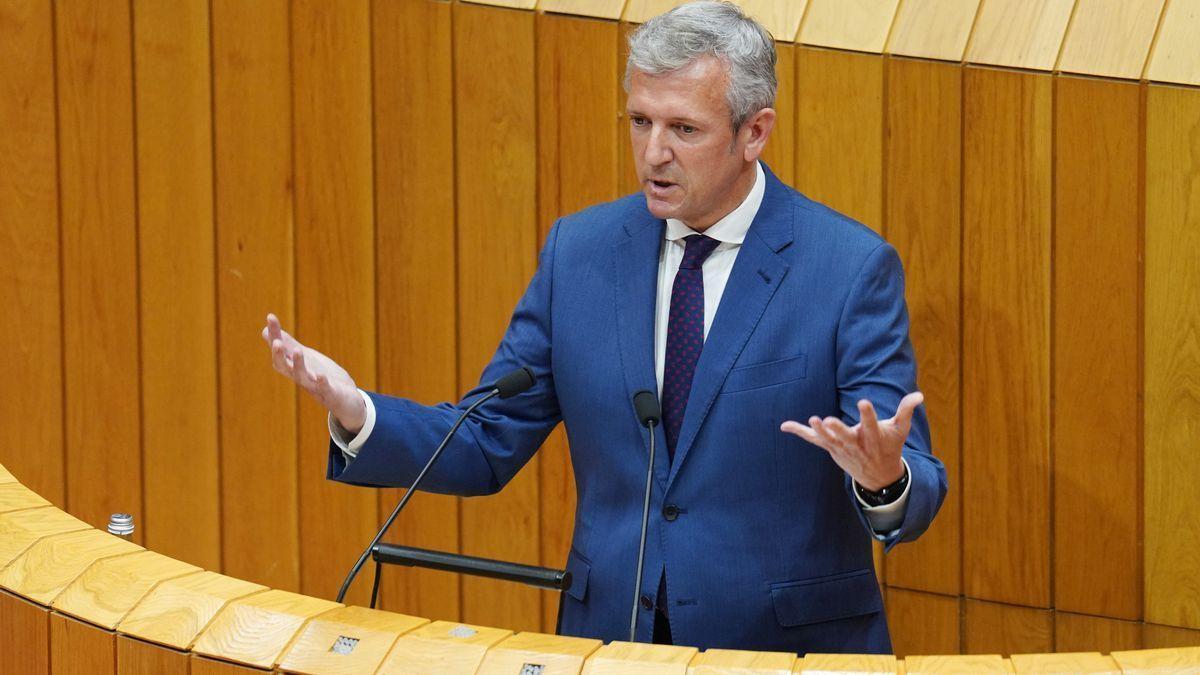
x,y
635,266
756,276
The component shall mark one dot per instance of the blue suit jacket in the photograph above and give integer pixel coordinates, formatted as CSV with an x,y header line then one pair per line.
x,y
769,549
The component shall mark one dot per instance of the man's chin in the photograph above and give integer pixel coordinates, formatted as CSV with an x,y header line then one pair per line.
x,y
660,208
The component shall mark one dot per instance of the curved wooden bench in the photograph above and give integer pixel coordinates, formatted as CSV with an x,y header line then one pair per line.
x,y
77,599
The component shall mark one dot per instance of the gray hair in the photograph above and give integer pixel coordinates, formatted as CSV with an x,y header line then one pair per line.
x,y
673,40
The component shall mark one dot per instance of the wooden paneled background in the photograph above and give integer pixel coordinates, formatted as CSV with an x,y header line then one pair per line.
x,y
380,173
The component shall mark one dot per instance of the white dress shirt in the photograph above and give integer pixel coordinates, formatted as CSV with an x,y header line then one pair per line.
x,y
731,232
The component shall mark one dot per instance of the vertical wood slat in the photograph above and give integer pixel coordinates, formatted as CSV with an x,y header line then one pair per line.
x,y
30,292
1083,633
1020,33
575,170
99,261
25,640
335,266
923,623
1172,356
993,628
1110,39
1006,350
253,169
933,29
858,25
780,153
80,648
176,256
415,243
135,657
924,223
496,188
1096,372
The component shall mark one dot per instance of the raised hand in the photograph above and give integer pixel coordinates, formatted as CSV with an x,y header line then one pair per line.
x,y
870,450
317,374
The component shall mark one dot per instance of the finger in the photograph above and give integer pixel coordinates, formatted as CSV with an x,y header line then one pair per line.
x,y
870,424
828,440
904,411
273,330
800,430
300,369
279,358
844,434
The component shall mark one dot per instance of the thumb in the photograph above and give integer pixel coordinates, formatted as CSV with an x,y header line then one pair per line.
x,y
904,412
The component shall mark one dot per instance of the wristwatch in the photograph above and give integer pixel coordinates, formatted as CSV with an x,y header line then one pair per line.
x,y
885,495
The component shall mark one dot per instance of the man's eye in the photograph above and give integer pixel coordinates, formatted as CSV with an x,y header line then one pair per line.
x,y
638,121
687,128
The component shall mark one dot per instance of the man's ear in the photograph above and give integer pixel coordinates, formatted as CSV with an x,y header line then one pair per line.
x,y
757,130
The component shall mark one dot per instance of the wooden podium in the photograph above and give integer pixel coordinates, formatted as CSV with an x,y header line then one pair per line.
x,y
74,599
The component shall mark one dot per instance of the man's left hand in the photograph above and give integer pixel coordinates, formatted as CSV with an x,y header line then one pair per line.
x,y
870,450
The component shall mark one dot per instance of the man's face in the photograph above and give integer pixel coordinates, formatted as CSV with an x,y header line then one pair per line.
x,y
689,162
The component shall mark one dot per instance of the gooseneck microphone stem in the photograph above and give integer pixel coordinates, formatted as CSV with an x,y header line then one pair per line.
x,y
410,492
646,406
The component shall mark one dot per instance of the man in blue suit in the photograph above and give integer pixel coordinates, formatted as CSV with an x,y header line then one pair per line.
x,y
745,305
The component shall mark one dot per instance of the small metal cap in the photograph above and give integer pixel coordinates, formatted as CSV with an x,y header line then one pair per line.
x,y
120,524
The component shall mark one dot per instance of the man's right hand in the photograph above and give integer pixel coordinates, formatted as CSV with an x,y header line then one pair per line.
x,y
317,374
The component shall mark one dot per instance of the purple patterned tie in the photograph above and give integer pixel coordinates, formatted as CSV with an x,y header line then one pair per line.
x,y
685,335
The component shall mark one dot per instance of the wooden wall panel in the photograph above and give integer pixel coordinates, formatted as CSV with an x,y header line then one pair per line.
x,y
781,18
1083,633
780,153
1172,356
993,628
78,648
1020,33
135,657
99,260
335,267
859,25
496,161
923,623
641,11
414,253
1160,637
839,131
924,223
600,9
255,274
933,29
25,640
177,259
1096,371
1006,349
30,291
626,168
575,58
1110,37
1174,57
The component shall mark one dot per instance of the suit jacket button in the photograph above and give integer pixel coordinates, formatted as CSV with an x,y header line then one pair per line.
x,y
670,512
647,603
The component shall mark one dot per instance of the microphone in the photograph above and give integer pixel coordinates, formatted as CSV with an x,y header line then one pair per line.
x,y
649,414
509,385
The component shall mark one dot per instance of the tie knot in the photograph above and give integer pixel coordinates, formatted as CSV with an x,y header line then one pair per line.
x,y
697,248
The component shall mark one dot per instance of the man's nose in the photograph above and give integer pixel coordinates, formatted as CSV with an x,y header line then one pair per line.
x,y
658,148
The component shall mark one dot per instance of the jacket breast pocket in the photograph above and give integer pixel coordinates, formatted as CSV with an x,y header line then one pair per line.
x,y
839,596
759,375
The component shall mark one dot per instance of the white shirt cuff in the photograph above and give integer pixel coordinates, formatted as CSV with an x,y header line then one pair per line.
x,y
341,437
887,518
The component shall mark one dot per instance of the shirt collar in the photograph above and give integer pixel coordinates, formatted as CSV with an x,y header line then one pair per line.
x,y
733,227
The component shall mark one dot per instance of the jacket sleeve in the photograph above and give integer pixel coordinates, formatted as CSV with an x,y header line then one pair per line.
x,y
876,362
495,441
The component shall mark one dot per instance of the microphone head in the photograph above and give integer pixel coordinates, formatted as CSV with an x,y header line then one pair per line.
x,y
645,404
515,382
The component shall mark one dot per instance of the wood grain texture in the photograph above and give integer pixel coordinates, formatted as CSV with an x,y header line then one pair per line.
x,y
578,141
933,29
25,640
253,162
636,658
335,266
859,25
1110,38
781,18
1006,347
727,661
600,9
923,623
6,476
1080,633
107,590
923,212
780,153
513,4
51,564
1168,660
135,657
1172,356
177,610
77,648
1096,383
20,529
15,497
1020,33
205,666
415,250
176,267
626,168
1079,662
641,11
993,628
99,260
496,174
964,665
1159,637
257,629
30,291
557,655
862,664
839,132
442,647
374,630
1174,57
